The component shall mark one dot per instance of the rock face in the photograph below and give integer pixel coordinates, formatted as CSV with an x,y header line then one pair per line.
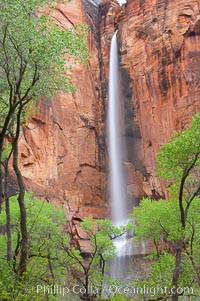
x,y
63,150
159,65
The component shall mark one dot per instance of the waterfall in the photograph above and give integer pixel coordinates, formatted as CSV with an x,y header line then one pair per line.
x,y
127,265
117,182
118,194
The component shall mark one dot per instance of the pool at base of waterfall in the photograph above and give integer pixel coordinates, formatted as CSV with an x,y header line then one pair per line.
x,y
131,262
129,267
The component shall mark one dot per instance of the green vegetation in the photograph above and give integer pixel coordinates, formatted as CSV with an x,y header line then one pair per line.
x,y
44,225
174,225
90,271
52,257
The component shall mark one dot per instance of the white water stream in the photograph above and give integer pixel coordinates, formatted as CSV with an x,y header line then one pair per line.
x,y
123,267
118,194
117,182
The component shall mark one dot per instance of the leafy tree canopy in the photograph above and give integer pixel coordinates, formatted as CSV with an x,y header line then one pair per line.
x,y
34,52
180,152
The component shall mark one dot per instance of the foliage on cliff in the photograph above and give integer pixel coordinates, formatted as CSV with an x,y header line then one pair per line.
x,y
35,54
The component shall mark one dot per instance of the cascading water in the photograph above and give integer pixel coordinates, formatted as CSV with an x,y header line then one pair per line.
x,y
121,2
117,182
130,262
118,194
126,265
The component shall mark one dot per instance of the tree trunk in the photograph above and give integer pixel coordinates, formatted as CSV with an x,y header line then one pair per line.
x,y
23,223
177,269
2,138
8,231
7,209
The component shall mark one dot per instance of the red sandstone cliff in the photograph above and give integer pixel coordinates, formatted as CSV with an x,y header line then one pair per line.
x,y
159,63
61,157
63,148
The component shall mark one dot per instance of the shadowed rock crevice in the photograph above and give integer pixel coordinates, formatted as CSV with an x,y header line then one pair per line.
x,y
132,134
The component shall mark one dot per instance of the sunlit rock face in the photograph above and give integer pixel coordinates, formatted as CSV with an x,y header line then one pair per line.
x,y
159,61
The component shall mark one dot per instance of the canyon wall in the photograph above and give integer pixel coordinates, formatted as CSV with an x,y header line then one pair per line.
x,y
160,70
61,149
63,154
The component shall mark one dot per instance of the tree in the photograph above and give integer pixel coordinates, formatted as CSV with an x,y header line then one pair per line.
x,y
176,223
90,271
33,56
44,258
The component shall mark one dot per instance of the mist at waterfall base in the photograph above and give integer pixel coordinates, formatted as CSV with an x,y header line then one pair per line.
x,y
125,266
